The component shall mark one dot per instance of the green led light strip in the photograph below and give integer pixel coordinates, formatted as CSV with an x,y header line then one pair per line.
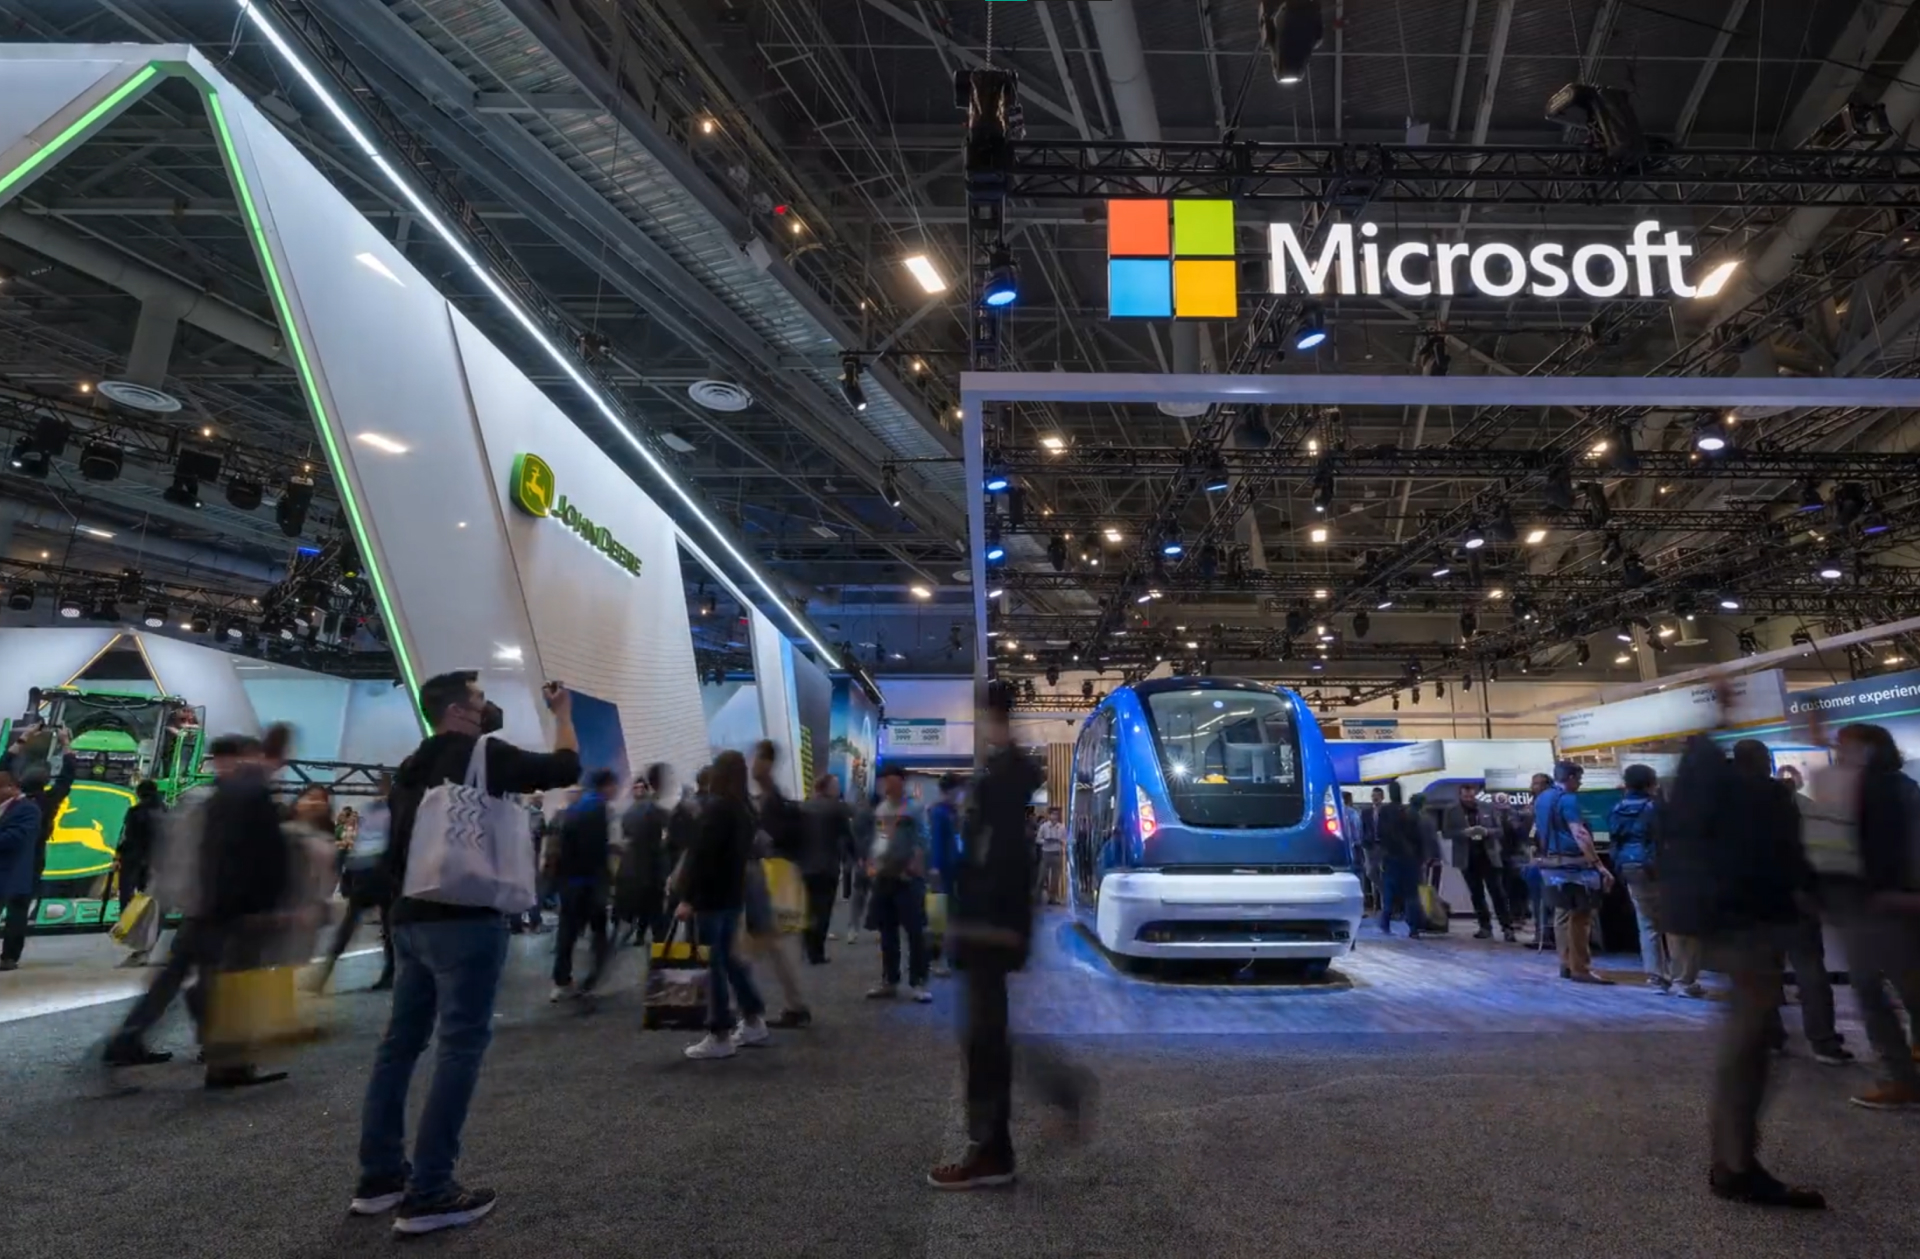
x,y
396,639
76,129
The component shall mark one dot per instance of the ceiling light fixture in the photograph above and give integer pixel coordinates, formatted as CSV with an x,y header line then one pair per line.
x,y
850,382
381,442
922,269
1002,288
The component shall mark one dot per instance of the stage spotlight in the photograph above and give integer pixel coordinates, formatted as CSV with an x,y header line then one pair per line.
x,y
1599,511
1312,331
1582,653
1433,358
1811,499
101,461
1252,431
1559,491
21,597
1290,30
1468,624
1710,435
1633,571
1831,569
183,492
1170,544
1475,537
1217,476
1361,624
996,550
1323,489
1057,553
1502,526
1621,456
71,607
850,382
290,513
1728,601
245,494
1002,288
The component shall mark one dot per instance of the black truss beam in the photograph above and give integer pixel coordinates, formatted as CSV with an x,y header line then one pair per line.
x,y
1464,175
1087,528
1459,464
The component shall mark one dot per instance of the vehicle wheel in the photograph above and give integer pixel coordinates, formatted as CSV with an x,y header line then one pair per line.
x,y
1133,965
1315,970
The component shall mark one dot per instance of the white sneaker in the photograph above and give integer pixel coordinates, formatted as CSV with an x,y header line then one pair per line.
x,y
712,1046
562,993
922,994
751,1032
852,936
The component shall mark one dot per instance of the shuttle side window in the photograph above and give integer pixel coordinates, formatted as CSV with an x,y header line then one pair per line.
x,y
1106,777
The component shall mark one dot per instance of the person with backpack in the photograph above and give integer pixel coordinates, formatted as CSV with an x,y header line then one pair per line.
x,y
1632,825
1570,872
1867,854
448,958
828,832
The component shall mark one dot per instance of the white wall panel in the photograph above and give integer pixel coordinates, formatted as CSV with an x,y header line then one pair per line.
x,y
380,725
779,710
379,340
610,633
203,677
44,657
315,706
33,89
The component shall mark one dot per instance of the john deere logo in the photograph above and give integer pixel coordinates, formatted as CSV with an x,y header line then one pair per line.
x,y
532,485
86,831
534,493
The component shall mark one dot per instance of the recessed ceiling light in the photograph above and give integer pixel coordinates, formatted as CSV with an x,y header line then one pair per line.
x,y
1321,593
1319,534
674,442
824,531
1113,535
381,442
1496,593
95,530
1053,443
1536,536
921,592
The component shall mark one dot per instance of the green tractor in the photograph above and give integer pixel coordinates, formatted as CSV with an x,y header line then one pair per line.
x,y
115,740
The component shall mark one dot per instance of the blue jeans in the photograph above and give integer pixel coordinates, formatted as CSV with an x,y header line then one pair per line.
x,y
446,975
1400,880
719,932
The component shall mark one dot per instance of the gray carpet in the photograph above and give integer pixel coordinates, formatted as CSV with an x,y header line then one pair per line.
x,y
602,1140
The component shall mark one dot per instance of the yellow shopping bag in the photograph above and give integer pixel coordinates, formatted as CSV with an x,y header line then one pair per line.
x,y
133,920
936,915
787,892
254,1010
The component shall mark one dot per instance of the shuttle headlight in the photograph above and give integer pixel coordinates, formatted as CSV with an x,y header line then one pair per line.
x,y
1143,808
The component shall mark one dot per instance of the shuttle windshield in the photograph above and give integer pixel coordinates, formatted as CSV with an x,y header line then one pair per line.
x,y
1231,758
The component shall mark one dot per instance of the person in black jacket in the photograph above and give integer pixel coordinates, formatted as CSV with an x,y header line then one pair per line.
x,y
828,833
246,873
990,927
1402,853
640,887
580,862
1736,875
714,894
1876,904
48,793
133,857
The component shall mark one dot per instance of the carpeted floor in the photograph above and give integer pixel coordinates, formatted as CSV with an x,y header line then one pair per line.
x,y
1358,1118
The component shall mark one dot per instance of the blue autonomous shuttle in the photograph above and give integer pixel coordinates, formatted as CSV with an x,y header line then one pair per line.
x,y
1206,823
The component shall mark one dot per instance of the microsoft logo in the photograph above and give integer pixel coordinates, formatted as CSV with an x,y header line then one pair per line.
x,y
1171,260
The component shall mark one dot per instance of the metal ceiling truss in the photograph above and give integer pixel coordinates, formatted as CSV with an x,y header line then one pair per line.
x,y
1882,172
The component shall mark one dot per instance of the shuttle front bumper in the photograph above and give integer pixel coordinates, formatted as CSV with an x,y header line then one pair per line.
x,y
1156,914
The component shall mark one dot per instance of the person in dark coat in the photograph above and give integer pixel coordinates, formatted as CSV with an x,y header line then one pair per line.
x,y
714,893
827,833
134,857
1403,852
19,847
640,886
1736,875
49,794
990,930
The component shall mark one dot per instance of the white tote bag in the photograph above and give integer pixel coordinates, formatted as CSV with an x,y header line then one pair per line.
x,y
470,848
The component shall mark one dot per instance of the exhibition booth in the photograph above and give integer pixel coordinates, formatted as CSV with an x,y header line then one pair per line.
x,y
492,532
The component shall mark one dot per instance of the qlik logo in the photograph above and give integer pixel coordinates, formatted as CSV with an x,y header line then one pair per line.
x,y
1171,260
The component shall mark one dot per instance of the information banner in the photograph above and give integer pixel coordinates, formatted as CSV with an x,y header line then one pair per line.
x,y
1422,757
916,733
1757,699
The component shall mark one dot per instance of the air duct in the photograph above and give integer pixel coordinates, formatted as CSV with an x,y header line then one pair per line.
x,y
109,266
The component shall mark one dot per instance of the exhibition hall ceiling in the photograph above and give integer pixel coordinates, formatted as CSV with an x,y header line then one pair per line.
x,y
718,202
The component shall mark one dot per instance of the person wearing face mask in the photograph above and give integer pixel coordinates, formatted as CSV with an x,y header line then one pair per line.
x,y
448,960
